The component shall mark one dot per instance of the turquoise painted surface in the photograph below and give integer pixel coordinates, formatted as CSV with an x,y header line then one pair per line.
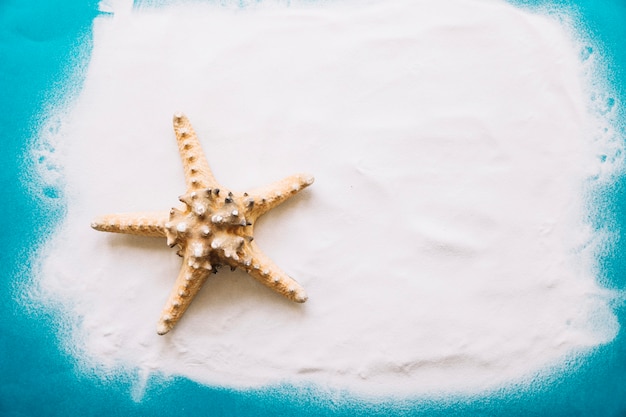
x,y
40,42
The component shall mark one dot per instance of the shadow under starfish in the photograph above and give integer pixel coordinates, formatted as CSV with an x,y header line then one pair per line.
x,y
214,228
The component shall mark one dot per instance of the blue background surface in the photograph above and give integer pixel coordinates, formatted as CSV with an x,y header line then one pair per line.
x,y
41,42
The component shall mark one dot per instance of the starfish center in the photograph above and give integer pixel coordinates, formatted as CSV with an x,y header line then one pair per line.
x,y
211,228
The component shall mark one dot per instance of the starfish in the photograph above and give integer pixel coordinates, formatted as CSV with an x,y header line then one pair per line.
x,y
213,228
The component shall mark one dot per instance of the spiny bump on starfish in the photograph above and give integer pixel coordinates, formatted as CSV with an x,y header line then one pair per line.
x,y
213,228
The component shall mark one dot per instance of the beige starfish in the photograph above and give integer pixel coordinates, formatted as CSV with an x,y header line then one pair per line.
x,y
214,228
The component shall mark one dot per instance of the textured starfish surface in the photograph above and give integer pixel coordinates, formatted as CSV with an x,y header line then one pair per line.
x,y
213,228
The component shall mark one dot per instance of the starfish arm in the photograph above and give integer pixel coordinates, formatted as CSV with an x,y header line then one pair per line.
x,y
190,279
142,224
262,200
261,268
197,171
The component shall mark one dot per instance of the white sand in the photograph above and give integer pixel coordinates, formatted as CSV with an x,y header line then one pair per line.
x,y
443,245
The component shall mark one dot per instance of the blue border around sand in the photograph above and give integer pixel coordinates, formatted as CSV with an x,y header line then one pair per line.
x,y
41,45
